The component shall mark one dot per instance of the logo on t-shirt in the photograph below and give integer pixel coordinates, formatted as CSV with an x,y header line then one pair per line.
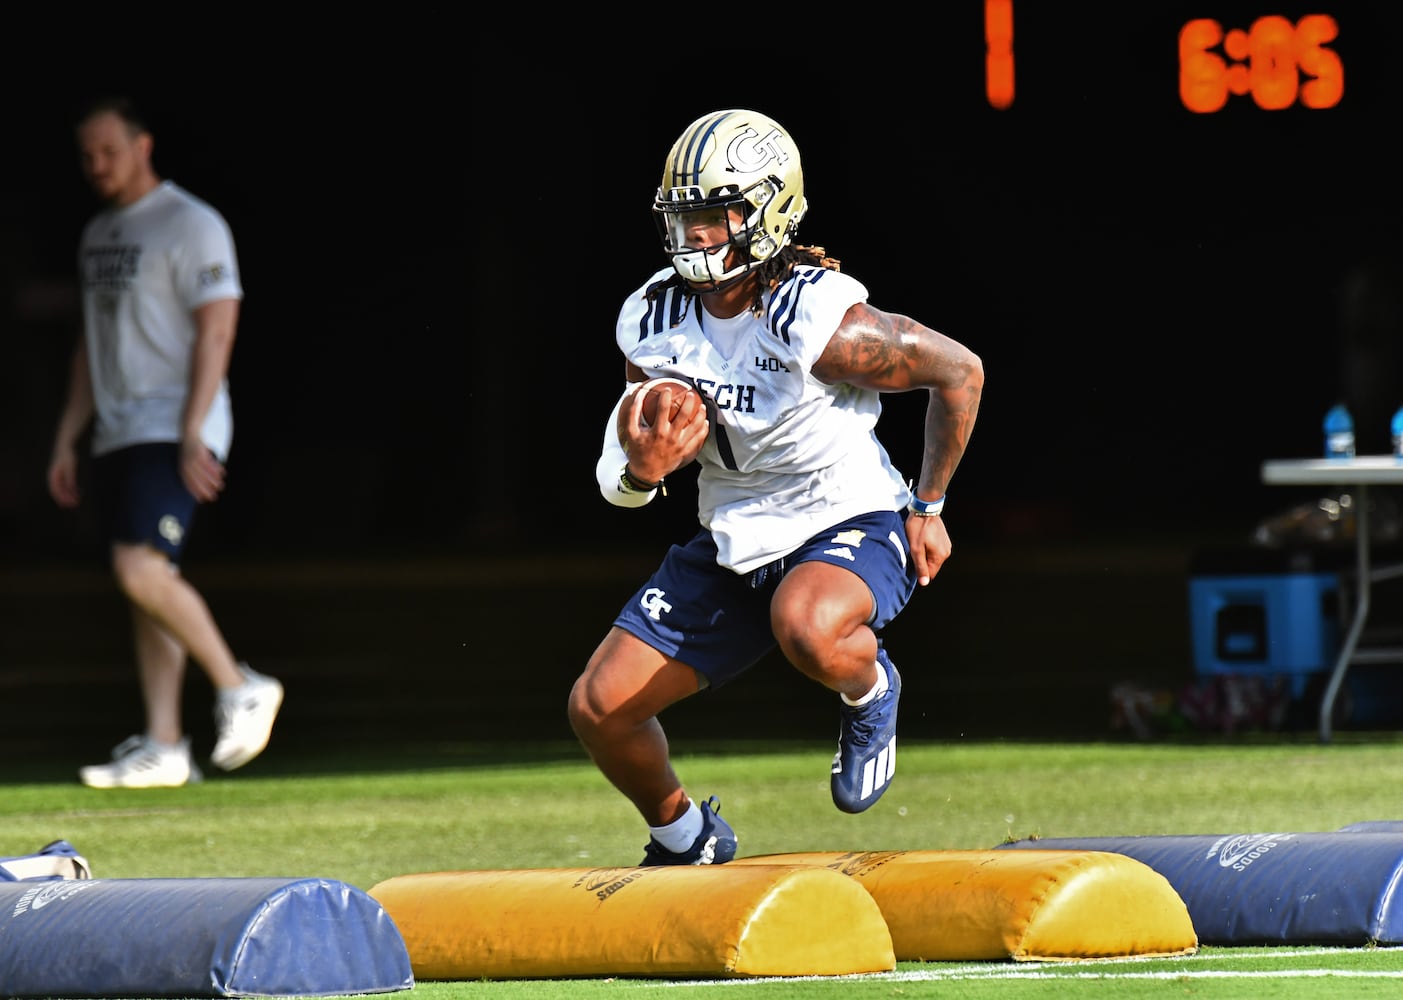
x,y
111,266
216,274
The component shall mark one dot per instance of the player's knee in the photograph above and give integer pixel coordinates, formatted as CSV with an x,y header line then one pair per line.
x,y
140,572
585,715
804,633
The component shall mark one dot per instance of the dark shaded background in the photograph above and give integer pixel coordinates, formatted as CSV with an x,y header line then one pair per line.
x,y
437,224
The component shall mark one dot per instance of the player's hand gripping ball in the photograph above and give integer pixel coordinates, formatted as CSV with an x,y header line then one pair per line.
x,y
652,392
655,390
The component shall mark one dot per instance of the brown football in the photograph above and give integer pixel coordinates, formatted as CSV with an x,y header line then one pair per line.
x,y
655,389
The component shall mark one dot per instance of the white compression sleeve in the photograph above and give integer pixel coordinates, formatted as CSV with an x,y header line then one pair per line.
x,y
609,470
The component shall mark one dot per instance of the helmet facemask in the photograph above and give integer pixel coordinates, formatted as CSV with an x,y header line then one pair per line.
x,y
677,211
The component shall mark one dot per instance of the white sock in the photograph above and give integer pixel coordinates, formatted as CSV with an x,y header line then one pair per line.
x,y
877,690
681,833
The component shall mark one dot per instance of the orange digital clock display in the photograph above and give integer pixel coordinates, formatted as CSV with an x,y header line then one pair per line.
x,y
1278,63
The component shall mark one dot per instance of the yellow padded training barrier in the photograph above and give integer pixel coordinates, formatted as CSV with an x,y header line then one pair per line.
x,y
1032,905
725,920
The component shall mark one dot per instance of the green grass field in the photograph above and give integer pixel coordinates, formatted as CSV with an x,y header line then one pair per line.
x,y
403,810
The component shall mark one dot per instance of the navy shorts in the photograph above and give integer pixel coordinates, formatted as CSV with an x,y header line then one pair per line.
x,y
717,621
141,497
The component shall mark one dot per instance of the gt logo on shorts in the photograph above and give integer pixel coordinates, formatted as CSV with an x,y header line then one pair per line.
x,y
170,529
653,603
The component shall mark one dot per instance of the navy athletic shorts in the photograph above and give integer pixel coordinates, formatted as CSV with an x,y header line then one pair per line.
x,y
141,497
717,621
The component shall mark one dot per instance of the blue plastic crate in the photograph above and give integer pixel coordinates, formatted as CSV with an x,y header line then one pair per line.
x,y
1269,619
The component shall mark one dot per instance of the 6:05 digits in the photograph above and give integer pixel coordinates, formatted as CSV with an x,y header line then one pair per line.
x,y
1267,61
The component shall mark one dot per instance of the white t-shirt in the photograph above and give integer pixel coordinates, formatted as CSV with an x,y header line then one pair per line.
x,y
787,455
143,269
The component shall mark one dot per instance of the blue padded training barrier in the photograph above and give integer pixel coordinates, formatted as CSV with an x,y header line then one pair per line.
x,y
196,937
1273,888
55,860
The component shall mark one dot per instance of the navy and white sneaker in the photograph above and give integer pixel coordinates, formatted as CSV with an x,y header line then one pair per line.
x,y
715,845
866,757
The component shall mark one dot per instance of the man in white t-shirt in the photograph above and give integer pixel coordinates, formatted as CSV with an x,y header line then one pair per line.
x,y
160,292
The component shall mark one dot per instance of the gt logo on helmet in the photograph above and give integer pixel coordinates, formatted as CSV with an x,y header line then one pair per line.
x,y
749,154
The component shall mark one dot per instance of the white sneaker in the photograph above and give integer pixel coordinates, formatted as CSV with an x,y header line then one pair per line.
x,y
244,718
141,762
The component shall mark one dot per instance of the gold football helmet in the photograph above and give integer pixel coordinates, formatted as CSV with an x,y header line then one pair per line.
x,y
724,160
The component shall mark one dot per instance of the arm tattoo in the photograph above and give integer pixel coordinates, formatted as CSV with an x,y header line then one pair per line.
x,y
865,350
888,352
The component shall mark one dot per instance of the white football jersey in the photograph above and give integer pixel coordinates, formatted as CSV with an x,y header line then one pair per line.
x,y
143,270
787,455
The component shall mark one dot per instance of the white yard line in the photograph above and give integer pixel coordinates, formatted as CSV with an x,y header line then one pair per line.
x,y
1101,969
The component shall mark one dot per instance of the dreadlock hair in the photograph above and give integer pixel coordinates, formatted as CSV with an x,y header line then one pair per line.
x,y
771,273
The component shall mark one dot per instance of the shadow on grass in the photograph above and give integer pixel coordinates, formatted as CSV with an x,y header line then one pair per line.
x,y
302,761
